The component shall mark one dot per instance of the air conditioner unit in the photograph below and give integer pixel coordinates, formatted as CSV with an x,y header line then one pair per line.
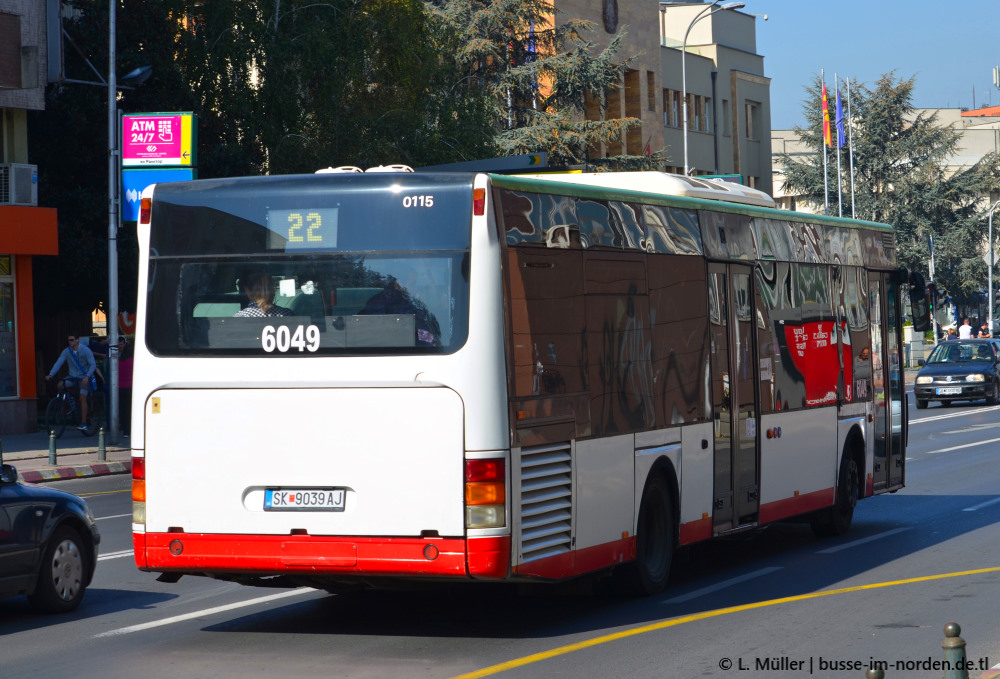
x,y
18,184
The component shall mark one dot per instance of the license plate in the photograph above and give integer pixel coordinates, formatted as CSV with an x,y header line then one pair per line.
x,y
309,499
948,391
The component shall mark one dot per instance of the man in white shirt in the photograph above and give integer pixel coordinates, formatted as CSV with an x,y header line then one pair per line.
x,y
965,330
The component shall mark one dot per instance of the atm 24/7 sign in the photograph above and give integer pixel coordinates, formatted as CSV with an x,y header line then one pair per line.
x,y
158,139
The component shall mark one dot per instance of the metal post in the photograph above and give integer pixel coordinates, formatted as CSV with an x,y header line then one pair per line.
x,y
989,284
102,451
112,308
52,447
954,652
684,102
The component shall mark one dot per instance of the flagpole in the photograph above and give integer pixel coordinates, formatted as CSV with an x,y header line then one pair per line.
x,y
826,122
840,124
850,144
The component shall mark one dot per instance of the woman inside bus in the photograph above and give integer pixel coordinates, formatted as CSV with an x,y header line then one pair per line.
x,y
258,286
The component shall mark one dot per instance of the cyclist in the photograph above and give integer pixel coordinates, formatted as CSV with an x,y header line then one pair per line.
x,y
79,360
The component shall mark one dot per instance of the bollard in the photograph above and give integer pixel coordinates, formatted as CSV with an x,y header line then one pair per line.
x,y
875,674
954,652
102,453
52,447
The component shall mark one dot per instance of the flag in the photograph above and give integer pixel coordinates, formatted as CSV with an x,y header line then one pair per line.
x,y
826,120
841,137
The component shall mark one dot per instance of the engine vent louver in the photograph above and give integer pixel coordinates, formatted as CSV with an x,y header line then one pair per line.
x,y
546,501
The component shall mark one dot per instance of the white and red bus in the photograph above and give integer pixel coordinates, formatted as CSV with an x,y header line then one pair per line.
x,y
490,377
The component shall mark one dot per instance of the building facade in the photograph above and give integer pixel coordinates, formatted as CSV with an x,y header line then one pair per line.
x,y
26,229
729,109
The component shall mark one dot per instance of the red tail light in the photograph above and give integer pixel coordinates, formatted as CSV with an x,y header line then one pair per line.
x,y
485,493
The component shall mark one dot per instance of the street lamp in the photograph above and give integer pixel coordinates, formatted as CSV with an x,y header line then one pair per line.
x,y
989,284
133,78
711,9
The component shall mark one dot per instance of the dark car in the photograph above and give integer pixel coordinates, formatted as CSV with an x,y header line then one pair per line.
x,y
48,544
960,370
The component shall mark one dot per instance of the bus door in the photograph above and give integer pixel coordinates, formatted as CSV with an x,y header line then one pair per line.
x,y
734,370
887,383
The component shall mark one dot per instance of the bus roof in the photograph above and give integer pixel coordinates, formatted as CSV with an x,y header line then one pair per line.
x,y
664,182
659,188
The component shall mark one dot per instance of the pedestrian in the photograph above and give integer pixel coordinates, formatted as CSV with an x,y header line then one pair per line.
x,y
984,331
965,330
79,361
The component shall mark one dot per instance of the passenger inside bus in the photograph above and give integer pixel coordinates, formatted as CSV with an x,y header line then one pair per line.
x,y
258,286
395,298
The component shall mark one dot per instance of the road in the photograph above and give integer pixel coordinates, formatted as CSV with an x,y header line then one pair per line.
x,y
777,603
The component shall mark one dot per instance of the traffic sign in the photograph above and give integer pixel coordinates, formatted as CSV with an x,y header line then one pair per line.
x,y
134,181
159,139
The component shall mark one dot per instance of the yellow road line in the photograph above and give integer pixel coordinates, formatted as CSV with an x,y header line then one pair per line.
x,y
104,492
597,641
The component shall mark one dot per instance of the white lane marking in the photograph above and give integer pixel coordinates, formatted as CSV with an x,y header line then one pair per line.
x,y
934,418
722,585
964,445
113,516
855,543
115,555
204,612
981,505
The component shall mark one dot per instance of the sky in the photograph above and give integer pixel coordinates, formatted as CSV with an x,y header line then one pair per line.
x,y
950,50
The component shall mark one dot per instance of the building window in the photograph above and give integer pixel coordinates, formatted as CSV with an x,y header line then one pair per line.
x,y
701,120
671,108
753,120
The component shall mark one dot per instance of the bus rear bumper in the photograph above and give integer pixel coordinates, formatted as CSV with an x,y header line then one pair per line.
x,y
322,555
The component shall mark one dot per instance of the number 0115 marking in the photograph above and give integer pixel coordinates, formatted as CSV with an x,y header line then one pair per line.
x,y
283,339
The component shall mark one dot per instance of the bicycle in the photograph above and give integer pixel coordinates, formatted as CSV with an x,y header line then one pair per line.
x,y
64,408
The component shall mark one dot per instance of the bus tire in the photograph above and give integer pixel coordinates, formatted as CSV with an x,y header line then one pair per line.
x,y
837,519
655,534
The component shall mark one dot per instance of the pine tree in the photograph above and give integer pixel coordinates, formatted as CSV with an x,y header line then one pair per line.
x,y
534,76
902,179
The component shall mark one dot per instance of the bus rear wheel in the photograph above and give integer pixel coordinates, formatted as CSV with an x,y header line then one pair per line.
x,y
837,519
655,534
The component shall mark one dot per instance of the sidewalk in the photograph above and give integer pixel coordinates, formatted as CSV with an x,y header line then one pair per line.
x,y
76,456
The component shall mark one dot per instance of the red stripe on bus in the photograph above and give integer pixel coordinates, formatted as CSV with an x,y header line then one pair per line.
x,y
695,531
265,554
801,504
139,549
580,561
489,557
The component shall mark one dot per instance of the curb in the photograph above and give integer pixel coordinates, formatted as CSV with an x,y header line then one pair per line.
x,y
75,472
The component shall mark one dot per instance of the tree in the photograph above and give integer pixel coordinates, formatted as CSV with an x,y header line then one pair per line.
x,y
902,179
538,77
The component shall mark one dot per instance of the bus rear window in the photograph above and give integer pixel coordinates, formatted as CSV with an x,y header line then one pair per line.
x,y
250,269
